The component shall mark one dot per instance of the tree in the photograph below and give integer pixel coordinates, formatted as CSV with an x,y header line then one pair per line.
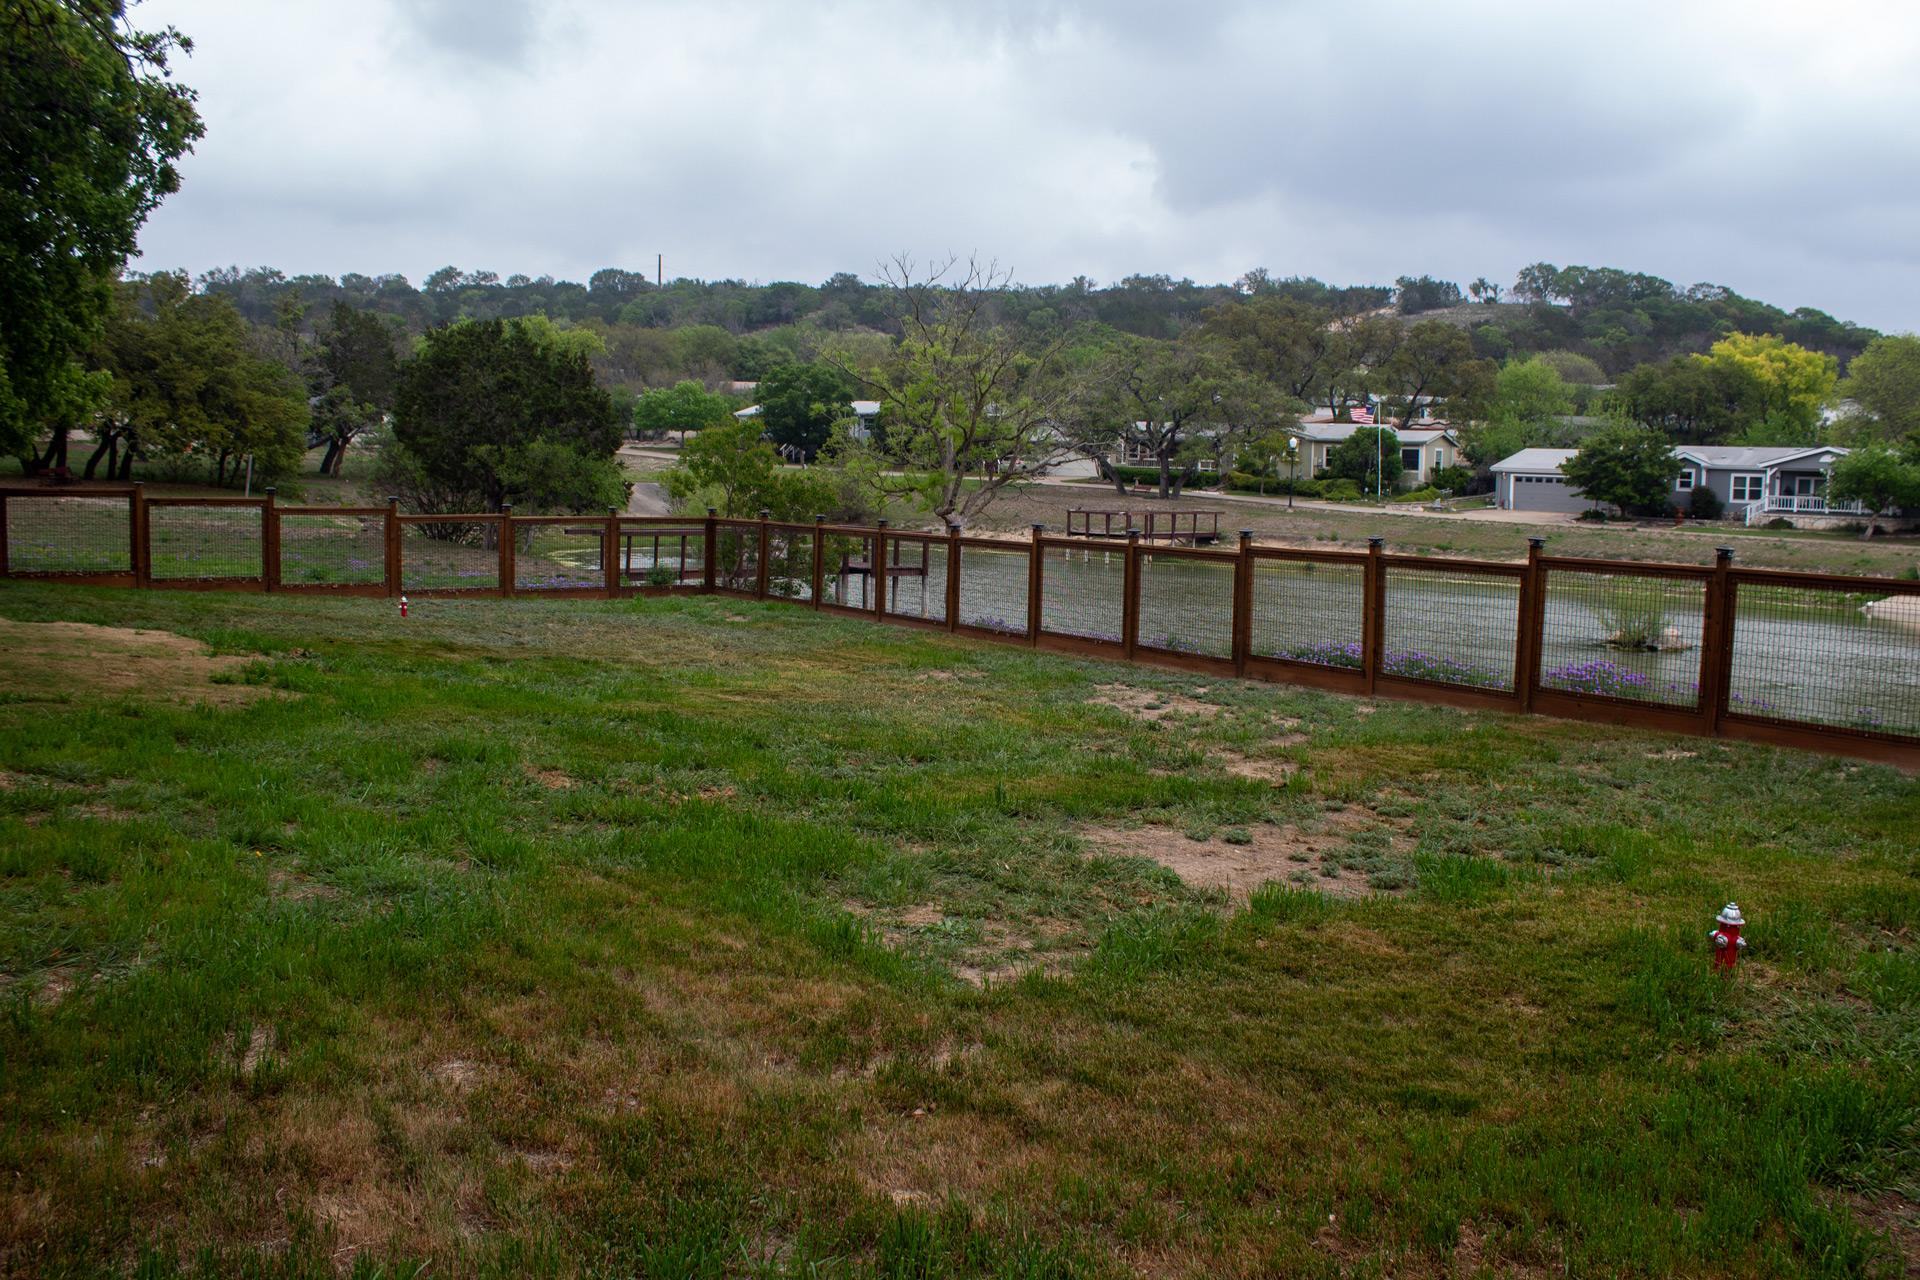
x,y
92,127
1173,402
1482,290
184,384
1885,381
1292,345
732,469
1876,478
1370,457
478,398
360,361
1413,296
1687,399
1436,363
799,403
686,406
966,406
1778,383
1625,465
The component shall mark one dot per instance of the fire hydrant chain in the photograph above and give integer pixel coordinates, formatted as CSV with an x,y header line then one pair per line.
x,y
1727,942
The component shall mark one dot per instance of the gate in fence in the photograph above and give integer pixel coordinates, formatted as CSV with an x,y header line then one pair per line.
x,y
1820,661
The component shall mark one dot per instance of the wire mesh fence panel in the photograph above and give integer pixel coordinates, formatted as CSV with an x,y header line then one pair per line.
x,y
203,542
447,555
1451,627
736,558
556,557
1623,636
846,562
1185,605
1082,591
790,564
662,555
317,550
993,589
68,534
1309,611
1827,657
917,578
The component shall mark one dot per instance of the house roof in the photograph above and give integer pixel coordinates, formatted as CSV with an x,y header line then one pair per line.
x,y
1740,456
1534,461
1329,432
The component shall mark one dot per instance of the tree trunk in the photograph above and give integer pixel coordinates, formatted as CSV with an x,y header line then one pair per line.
x,y
99,453
1111,473
1166,475
326,461
56,454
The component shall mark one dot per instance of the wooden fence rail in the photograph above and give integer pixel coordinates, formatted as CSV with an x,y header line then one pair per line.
x,y
920,579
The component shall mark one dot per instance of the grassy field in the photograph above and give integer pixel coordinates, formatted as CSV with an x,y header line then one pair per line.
x,y
699,938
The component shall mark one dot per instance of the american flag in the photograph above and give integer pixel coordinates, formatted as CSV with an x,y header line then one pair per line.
x,y
1363,414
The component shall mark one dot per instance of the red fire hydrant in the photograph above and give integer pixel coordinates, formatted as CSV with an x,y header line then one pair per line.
x,y
1727,942
403,606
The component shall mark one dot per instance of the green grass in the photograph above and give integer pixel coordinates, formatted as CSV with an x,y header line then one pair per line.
x,y
617,938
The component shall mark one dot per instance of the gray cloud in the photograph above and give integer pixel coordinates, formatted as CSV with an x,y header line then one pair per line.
x,y
1698,139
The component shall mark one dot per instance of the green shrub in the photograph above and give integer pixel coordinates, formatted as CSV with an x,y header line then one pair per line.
x,y
1426,493
1341,490
1457,479
1704,504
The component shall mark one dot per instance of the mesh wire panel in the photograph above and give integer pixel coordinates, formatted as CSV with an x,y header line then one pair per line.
x,y
551,557
68,535
846,561
790,564
917,578
1623,636
1186,605
1082,591
1309,611
446,555
204,542
663,555
1451,627
323,549
993,589
1845,659
736,559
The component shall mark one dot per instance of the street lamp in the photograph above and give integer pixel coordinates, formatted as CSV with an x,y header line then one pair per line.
x,y
1293,467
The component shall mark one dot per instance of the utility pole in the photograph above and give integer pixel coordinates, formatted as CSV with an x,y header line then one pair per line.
x,y
658,258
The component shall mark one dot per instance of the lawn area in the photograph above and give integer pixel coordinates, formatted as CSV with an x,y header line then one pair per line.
x,y
699,937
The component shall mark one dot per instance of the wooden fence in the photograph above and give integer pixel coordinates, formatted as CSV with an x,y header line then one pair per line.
x,y
1818,661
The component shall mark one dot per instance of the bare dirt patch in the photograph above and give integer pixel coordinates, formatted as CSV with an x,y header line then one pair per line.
x,y
79,657
1273,772
1272,853
551,779
1147,704
290,886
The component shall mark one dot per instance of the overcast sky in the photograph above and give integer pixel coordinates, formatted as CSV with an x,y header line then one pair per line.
x,y
1764,145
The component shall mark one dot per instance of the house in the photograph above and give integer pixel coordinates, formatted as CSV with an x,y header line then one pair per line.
x,y
1426,445
1757,484
1531,480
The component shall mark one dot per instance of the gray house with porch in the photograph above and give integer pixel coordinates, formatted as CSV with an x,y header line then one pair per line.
x,y
1760,484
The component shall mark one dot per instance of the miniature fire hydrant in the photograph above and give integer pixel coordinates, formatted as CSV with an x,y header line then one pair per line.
x,y
1727,942
403,606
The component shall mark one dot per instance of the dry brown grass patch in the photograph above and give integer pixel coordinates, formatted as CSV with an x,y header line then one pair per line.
x,y
81,658
1275,853
1147,704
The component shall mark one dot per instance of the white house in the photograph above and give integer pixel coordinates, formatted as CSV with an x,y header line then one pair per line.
x,y
1426,445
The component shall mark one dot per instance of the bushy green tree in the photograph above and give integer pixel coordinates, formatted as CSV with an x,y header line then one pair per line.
x,y
92,127
186,386
1370,457
1877,478
1884,380
1529,409
686,406
359,359
732,469
1625,466
489,407
799,403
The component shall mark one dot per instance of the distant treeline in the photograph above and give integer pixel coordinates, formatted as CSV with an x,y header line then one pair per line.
x,y
1617,318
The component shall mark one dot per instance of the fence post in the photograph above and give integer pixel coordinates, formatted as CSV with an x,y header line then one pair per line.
x,y
760,558
953,577
819,584
712,552
879,575
506,551
1242,645
611,563
1716,657
1373,618
1130,593
393,547
1036,576
270,541
133,538
142,538
1531,622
